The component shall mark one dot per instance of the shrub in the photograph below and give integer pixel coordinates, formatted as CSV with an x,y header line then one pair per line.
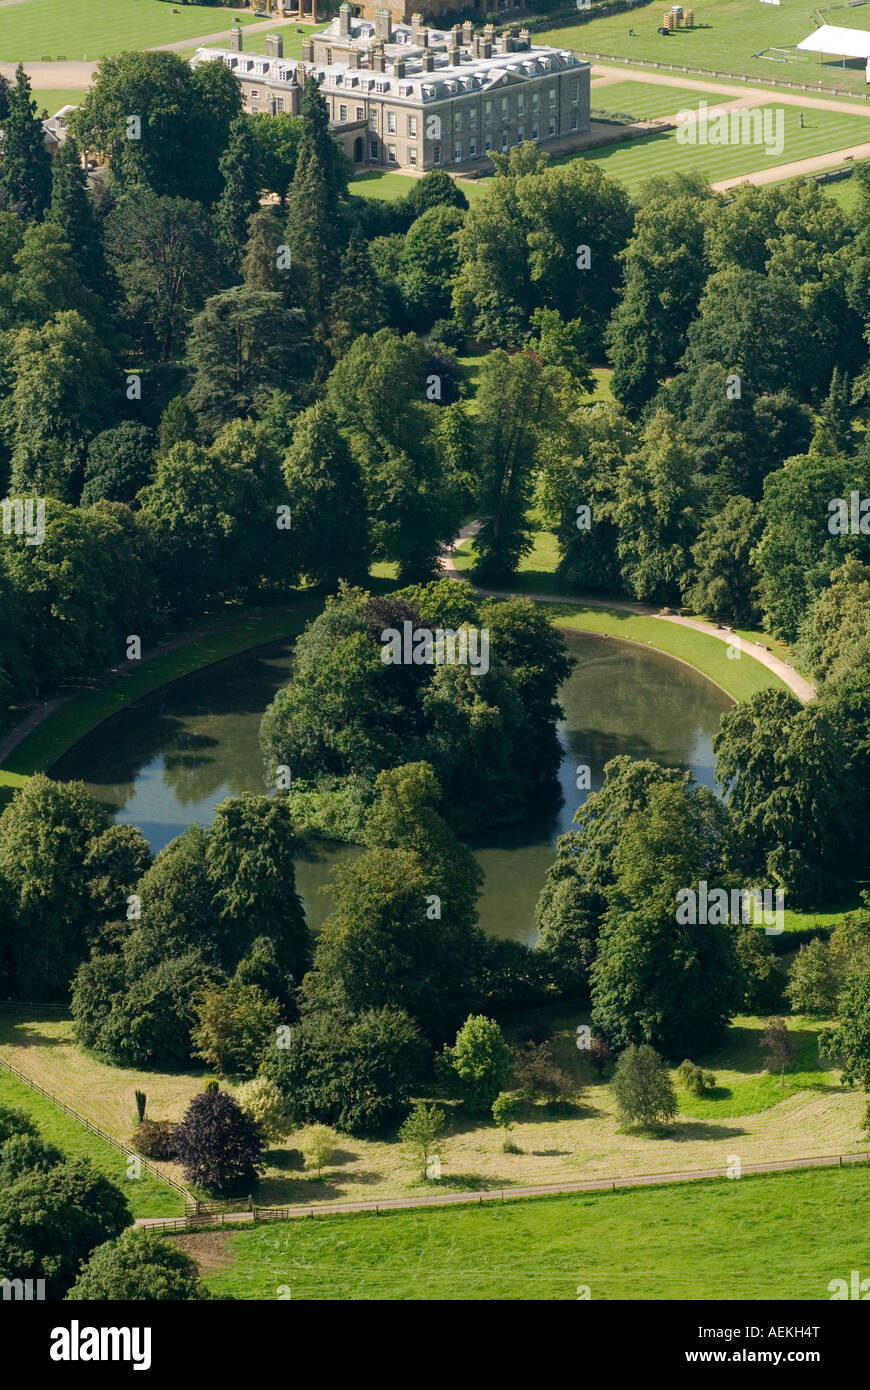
x,y
15,1121
693,1079
537,1073
139,1265
444,333
156,1139
479,1065
263,1099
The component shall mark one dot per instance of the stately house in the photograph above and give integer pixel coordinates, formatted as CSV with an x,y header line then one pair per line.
x,y
411,97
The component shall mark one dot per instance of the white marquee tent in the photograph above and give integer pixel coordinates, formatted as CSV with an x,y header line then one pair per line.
x,y
839,43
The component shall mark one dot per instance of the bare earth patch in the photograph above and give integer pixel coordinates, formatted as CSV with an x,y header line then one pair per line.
x,y
208,1248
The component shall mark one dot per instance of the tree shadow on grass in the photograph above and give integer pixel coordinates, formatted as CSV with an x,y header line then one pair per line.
x,y
458,1182
276,1191
683,1133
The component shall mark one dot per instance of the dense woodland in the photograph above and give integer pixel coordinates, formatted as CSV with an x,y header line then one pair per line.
x,y
181,363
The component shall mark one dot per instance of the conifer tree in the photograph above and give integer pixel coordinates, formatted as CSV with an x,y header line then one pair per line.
x,y
837,412
240,197
26,167
320,182
357,304
72,210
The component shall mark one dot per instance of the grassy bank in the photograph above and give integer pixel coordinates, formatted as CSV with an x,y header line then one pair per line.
x,y
71,721
780,1236
739,678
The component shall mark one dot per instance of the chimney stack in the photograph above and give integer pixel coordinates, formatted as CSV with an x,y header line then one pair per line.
x,y
455,36
308,50
236,39
419,32
344,14
274,46
353,57
383,24
486,49
488,33
467,33
398,68
525,39
429,61
454,56
379,62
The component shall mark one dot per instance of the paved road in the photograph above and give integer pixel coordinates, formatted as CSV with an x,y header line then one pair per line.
x,y
787,674
449,1199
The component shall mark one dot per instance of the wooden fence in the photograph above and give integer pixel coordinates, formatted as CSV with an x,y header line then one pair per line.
x,y
502,1194
815,87
96,1129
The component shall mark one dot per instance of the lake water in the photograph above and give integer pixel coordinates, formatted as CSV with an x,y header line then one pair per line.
x,y
168,760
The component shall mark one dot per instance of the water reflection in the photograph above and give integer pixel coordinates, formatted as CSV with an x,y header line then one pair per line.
x,y
171,758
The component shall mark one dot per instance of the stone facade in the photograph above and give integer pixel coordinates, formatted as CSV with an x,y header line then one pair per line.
x,y
409,97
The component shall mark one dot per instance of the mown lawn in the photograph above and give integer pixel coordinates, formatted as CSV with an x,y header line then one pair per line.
x,y
647,100
146,1195
741,1089
633,162
783,1236
727,36
92,29
384,183
846,192
749,1115
51,100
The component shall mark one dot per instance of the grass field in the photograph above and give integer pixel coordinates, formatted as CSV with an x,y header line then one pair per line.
x,y
749,1114
53,99
727,36
847,192
92,29
382,183
782,1236
647,100
146,1196
633,162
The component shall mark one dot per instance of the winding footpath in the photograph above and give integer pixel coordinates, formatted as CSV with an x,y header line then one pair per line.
x,y
787,674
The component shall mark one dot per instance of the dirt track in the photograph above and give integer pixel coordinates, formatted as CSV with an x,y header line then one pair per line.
x,y
449,1199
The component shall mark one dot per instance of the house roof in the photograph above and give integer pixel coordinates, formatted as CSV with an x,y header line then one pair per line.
x,y
444,82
